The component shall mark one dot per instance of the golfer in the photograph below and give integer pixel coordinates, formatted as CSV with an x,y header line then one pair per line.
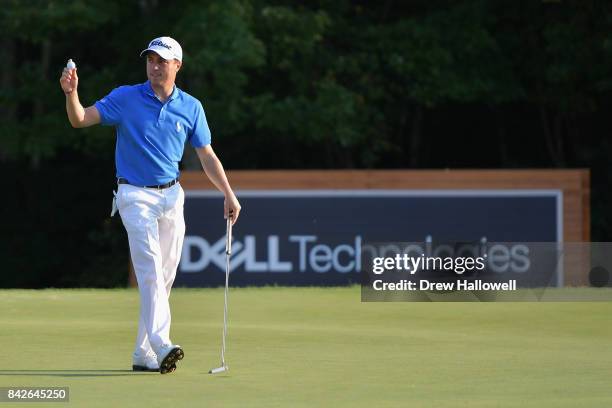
x,y
152,121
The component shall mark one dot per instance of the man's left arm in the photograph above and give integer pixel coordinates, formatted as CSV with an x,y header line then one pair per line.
x,y
215,172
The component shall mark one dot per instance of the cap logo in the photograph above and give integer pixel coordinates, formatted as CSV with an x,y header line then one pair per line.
x,y
160,43
172,48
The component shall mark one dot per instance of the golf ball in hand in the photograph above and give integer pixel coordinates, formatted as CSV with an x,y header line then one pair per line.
x,y
70,64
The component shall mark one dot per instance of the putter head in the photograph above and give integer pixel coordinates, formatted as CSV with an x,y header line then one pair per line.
x,y
219,370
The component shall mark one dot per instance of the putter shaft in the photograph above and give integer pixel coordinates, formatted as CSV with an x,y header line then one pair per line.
x,y
228,252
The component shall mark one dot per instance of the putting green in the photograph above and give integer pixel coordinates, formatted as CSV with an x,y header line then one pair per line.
x,y
311,347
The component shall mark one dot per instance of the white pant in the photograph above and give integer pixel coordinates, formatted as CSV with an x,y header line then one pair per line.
x,y
155,226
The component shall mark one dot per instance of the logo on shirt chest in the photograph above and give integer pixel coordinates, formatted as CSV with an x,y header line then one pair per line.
x,y
179,128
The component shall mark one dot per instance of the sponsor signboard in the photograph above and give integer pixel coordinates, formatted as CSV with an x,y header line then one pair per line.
x,y
315,237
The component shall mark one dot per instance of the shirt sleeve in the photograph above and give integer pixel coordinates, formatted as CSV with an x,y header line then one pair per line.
x,y
200,135
109,107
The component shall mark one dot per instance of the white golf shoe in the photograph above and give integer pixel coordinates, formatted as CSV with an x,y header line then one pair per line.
x,y
167,357
145,362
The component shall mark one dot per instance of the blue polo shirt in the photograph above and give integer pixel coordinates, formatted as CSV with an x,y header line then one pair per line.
x,y
151,135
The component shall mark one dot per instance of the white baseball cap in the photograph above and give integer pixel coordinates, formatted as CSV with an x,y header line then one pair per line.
x,y
166,47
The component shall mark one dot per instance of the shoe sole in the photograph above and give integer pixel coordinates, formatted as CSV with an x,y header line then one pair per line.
x,y
150,370
144,368
168,364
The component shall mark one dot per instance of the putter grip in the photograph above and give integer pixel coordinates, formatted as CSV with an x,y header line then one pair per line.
x,y
228,237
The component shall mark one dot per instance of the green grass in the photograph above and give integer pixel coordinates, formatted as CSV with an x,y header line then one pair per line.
x,y
312,347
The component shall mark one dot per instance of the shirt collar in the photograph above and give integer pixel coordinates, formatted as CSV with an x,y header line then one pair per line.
x,y
148,89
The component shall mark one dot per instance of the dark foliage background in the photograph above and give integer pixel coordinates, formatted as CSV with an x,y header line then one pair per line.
x,y
286,84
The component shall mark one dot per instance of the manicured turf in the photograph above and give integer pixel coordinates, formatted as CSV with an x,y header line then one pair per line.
x,y
312,347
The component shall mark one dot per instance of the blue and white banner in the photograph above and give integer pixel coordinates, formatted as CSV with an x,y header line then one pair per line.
x,y
314,237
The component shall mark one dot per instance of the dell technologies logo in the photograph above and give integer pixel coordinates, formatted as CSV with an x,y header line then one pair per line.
x,y
307,253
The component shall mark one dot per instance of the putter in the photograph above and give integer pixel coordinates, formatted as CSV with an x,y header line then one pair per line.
x,y
228,252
